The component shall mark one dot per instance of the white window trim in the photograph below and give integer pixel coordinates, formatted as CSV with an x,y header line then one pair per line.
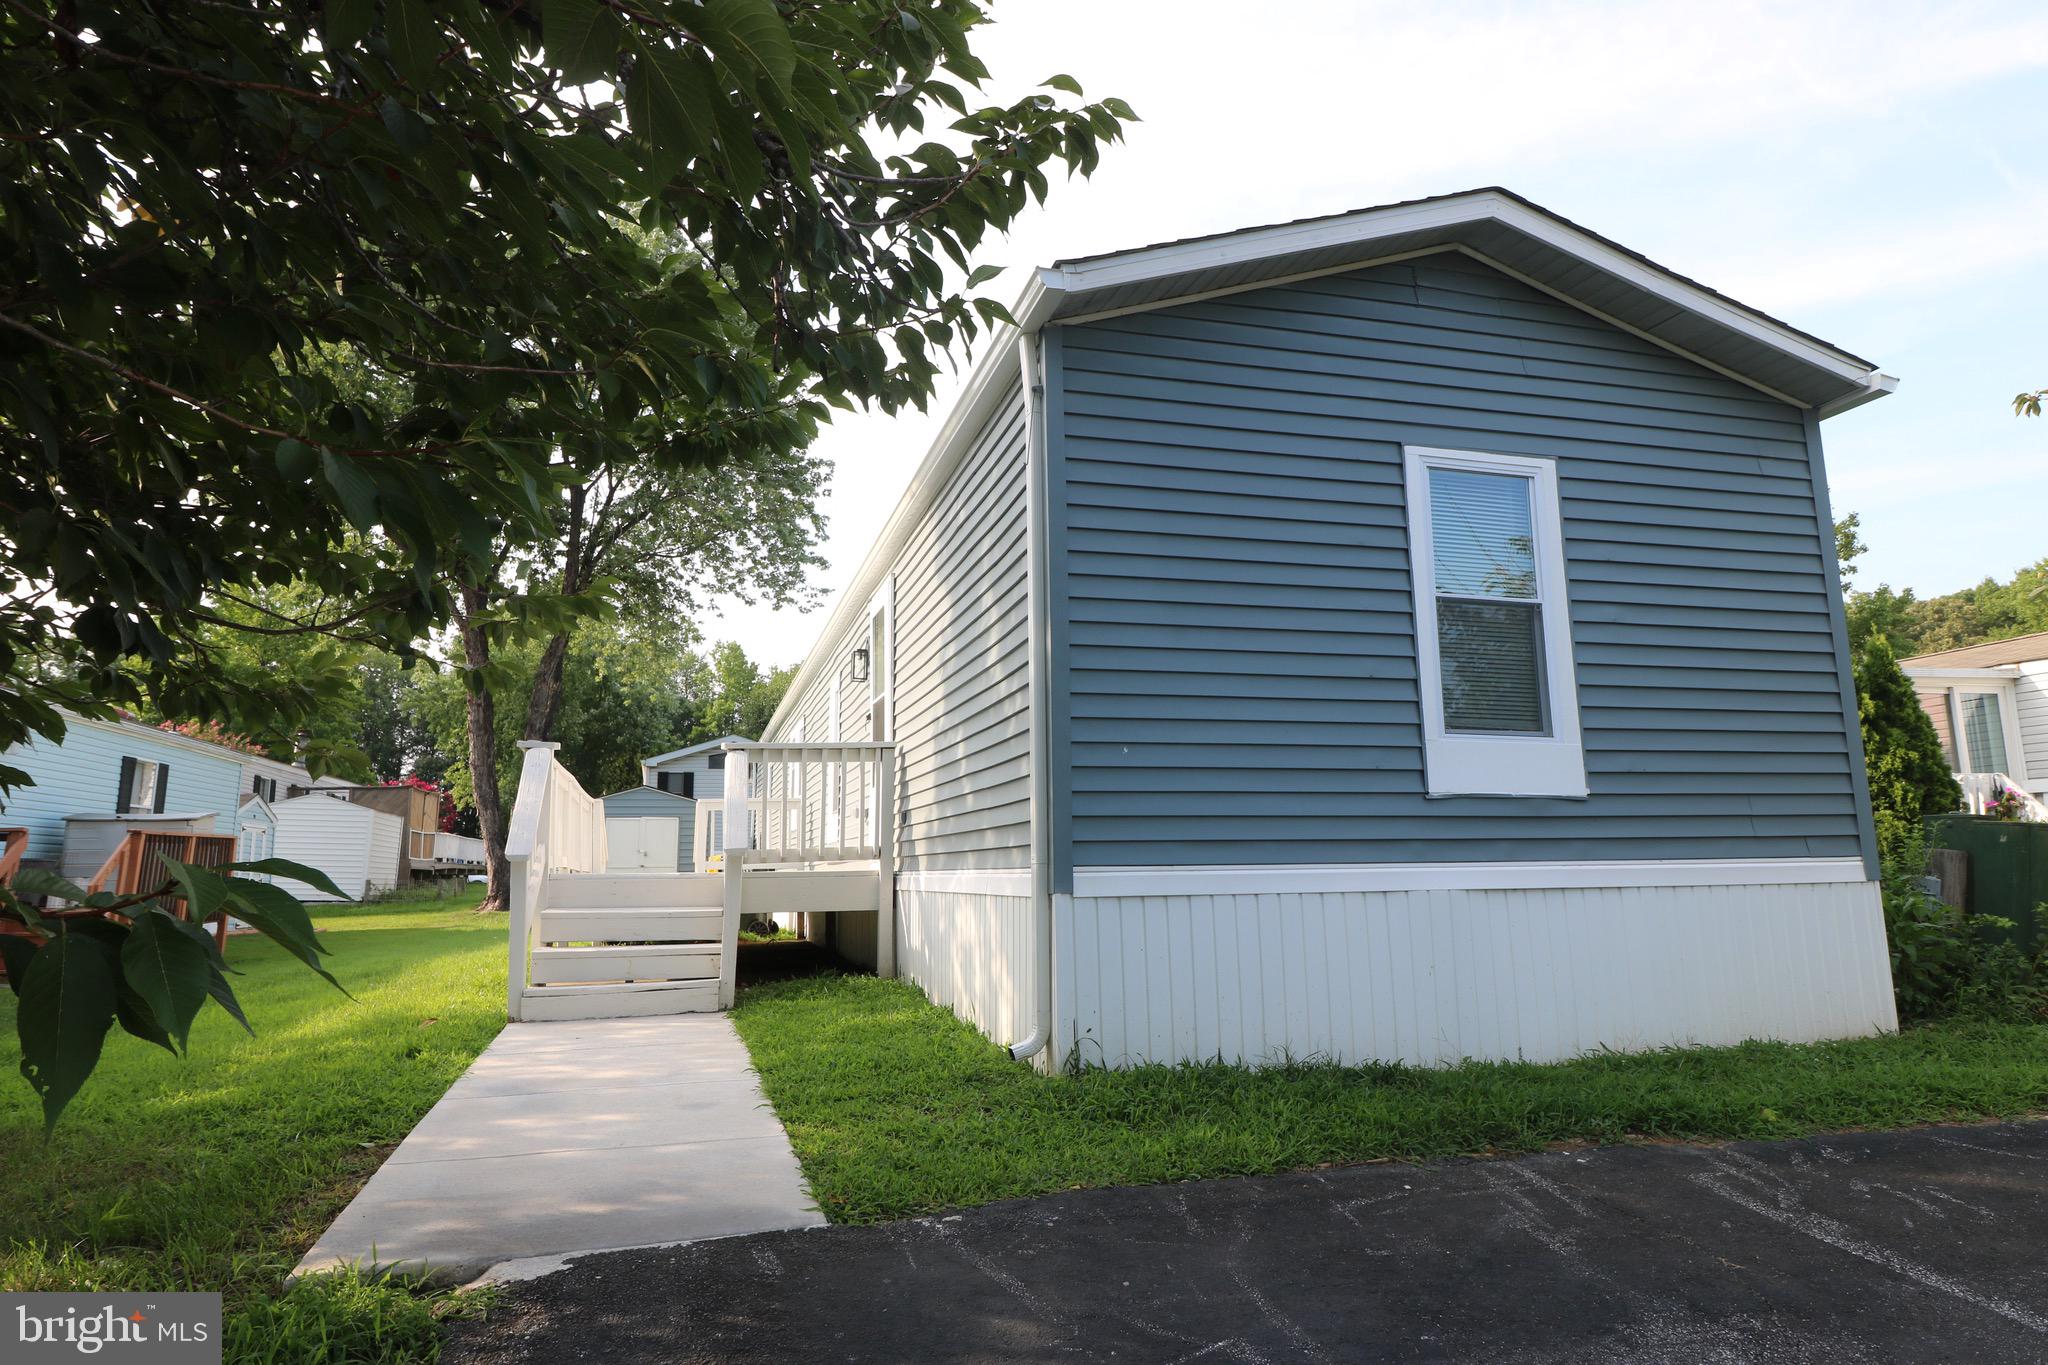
x,y
2008,716
881,671
835,774
1496,765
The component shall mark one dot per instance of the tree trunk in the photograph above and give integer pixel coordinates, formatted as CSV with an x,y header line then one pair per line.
x,y
483,754
544,706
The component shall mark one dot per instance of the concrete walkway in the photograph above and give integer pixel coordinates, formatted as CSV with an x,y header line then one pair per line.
x,y
573,1137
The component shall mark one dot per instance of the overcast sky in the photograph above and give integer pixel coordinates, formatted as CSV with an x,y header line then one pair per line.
x,y
1868,172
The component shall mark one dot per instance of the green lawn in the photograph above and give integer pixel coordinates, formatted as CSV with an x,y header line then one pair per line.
x,y
895,1107
217,1170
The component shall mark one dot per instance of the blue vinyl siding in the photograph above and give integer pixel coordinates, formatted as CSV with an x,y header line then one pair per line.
x,y
1234,657
645,801
82,775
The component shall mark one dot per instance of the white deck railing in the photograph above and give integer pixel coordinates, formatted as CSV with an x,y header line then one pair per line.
x,y
811,828
457,848
1981,791
556,826
809,803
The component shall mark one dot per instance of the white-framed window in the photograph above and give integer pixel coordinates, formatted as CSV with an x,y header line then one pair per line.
x,y
1983,719
1500,709
881,659
142,787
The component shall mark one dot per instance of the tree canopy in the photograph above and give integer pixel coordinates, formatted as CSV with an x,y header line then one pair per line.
x,y
315,313
222,223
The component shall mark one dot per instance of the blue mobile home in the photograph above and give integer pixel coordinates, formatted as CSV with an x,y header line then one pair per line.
x,y
1413,633
106,774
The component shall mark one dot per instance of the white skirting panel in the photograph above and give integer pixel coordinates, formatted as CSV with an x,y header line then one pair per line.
x,y
1432,977
972,953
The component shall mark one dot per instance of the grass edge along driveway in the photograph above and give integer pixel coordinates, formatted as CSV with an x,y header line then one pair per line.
x,y
896,1107
216,1171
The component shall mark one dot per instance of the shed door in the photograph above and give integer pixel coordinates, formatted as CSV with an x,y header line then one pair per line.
x,y
646,843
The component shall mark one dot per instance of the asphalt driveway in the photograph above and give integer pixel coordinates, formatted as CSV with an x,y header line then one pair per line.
x,y
1930,1244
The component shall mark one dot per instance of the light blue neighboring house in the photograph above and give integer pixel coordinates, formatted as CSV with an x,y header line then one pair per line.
x,y
697,772
123,768
1408,634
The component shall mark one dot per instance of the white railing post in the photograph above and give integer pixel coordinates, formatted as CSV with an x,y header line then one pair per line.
x,y
527,853
885,861
738,840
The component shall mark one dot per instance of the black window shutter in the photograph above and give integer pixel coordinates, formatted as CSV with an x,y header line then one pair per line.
x,y
661,782
163,785
127,786
689,784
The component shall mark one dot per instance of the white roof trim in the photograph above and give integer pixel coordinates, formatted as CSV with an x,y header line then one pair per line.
x,y
707,745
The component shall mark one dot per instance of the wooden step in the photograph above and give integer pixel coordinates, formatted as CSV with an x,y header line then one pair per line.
x,y
619,1000
631,926
626,962
635,890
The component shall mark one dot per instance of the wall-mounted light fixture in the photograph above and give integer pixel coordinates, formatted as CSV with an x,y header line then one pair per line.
x,y
860,664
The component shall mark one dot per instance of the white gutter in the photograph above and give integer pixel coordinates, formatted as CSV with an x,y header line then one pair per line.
x,y
1038,675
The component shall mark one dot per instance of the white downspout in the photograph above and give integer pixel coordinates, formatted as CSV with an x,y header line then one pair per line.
x,y
1038,679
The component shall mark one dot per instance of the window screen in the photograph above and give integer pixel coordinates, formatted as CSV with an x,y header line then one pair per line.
x,y
1983,732
1489,610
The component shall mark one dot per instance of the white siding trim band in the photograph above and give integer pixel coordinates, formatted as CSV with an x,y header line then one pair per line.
x,y
1297,877
1014,881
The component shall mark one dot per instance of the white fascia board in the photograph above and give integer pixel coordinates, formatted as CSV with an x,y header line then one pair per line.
x,y
1386,877
985,386
1875,387
1987,673
1363,228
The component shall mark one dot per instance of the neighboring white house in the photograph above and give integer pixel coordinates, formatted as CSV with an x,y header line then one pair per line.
x,y
1989,705
697,772
354,844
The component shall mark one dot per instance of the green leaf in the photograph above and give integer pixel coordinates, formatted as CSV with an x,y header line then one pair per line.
x,y
205,891
298,872
67,1006
983,274
224,995
15,952
296,459
356,489
167,970
581,37
748,34
136,1019
1063,82
346,22
416,40
669,105
272,911
30,882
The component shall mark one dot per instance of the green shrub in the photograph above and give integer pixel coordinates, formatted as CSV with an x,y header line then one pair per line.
x,y
1909,775
1943,965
